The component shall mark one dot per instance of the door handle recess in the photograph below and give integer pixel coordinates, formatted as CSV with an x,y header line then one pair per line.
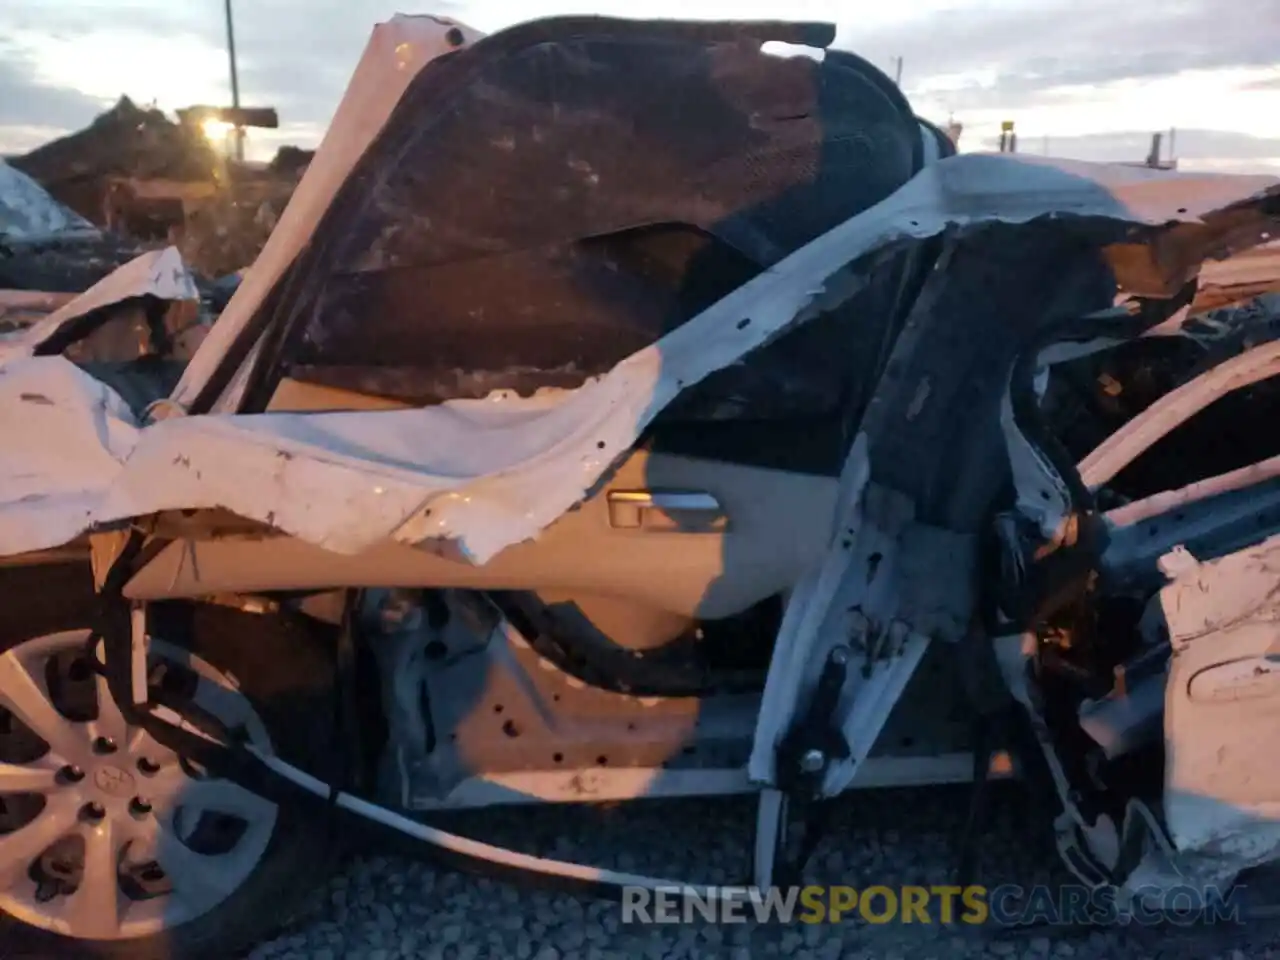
x,y
677,511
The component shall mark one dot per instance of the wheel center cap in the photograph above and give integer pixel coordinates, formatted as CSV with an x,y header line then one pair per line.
x,y
113,781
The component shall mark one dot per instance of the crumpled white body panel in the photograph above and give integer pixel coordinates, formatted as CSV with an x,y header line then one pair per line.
x,y
1222,701
52,488
156,273
487,474
484,474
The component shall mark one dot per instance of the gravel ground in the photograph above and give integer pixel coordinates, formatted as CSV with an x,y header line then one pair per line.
x,y
385,907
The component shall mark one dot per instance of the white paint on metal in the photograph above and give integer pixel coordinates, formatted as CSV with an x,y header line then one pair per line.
x,y
156,273
486,474
1222,713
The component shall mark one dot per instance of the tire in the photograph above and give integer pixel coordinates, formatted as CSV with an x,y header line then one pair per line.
x,y
285,673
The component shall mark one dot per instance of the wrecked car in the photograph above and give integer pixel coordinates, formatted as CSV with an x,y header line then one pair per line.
x,y
45,246
641,409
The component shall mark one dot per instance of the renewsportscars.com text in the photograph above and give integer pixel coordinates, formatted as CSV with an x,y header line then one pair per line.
x,y
1006,905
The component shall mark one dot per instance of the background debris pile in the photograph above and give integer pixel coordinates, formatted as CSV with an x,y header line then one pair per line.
x,y
147,180
224,231
125,141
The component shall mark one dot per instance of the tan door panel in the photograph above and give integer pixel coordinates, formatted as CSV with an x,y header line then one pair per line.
x,y
298,396
692,537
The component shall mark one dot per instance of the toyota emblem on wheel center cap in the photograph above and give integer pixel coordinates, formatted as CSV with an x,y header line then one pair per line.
x,y
113,781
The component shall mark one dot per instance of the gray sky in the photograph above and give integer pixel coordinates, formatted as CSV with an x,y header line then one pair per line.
x,y
1086,78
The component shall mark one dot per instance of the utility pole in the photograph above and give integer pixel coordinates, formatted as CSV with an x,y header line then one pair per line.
x,y
897,70
238,132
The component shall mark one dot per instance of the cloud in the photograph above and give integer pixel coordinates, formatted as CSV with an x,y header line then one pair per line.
x,y
298,57
28,102
963,55
1014,56
1018,56
77,18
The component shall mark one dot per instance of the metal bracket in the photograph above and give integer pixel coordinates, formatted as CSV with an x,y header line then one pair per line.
x,y
804,757
816,740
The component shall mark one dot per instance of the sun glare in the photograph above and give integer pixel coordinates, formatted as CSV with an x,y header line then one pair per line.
x,y
215,131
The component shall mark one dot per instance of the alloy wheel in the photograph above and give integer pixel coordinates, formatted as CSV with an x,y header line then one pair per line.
x,y
104,833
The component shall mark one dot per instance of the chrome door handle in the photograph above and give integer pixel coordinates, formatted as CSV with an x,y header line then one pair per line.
x,y
689,511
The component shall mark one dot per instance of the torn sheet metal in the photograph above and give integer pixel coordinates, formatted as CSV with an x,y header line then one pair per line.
x,y
487,474
29,215
157,273
908,564
1222,706
1251,273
